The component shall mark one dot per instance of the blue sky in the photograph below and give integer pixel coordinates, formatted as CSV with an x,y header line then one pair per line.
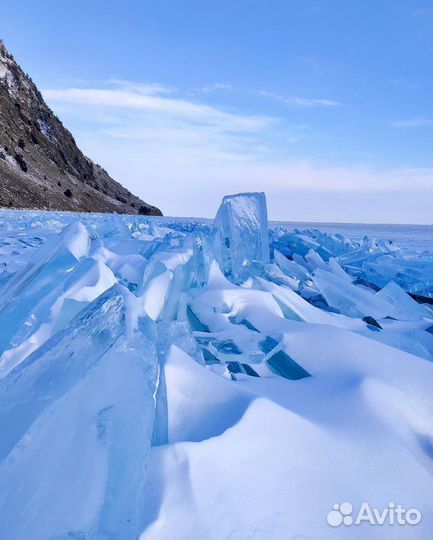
x,y
325,105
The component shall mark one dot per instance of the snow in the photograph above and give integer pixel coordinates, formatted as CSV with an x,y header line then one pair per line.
x,y
46,129
7,75
168,378
3,70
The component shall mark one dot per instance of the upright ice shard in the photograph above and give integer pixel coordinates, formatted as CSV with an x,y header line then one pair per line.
x,y
241,232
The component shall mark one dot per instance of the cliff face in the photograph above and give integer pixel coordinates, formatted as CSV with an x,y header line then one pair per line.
x,y
40,164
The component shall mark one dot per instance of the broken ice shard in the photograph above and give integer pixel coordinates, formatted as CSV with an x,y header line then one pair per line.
x,y
48,373
50,265
241,232
349,299
55,310
285,366
99,434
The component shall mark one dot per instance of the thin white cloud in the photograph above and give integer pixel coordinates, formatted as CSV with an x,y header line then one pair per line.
x,y
422,12
400,82
310,102
301,102
412,123
149,89
73,80
305,175
213,87
145,98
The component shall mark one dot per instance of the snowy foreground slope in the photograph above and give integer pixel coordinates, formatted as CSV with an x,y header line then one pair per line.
x,y
180,379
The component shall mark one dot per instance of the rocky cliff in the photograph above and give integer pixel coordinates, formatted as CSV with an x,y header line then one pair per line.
x,y
40,163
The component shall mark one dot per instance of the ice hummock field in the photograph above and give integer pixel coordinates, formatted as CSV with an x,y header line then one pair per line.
x,y
164,378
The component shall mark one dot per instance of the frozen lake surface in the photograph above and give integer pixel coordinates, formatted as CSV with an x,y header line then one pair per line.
x,y
183,378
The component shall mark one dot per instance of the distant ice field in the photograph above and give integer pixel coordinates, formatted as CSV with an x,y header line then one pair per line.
x,y
419,237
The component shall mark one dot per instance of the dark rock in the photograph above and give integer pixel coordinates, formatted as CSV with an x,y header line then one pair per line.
x,y
24,116
144,210
20,160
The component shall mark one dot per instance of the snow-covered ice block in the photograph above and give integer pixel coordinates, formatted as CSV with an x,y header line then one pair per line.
x,y
294,306
241,232
170,333
200,404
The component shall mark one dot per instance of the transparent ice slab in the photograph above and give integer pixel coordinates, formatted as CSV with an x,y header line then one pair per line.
x,y
241,232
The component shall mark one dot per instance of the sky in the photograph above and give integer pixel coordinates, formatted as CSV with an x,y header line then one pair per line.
x,y
325,105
